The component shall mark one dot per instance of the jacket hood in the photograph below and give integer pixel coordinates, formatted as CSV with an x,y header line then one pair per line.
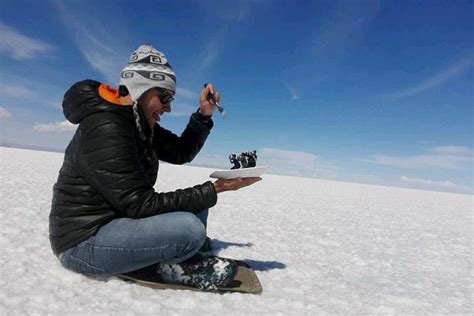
x,y
83,99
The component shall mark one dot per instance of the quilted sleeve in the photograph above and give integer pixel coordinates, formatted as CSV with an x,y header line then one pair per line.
x,y
182,149
108,159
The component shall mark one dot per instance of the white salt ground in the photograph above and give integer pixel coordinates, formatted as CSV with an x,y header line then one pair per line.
x,y
318,247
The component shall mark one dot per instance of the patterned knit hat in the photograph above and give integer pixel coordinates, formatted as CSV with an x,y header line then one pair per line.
x,y
148,68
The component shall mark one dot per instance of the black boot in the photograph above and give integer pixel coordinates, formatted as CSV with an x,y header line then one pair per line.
x,y
206,248
208,273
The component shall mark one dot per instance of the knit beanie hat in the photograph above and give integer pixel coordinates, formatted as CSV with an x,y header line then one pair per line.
x,y
147,68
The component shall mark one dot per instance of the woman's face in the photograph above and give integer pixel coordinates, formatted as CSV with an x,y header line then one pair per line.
x,y
152,106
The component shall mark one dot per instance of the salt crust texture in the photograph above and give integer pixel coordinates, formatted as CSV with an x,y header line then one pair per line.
x,y
319,247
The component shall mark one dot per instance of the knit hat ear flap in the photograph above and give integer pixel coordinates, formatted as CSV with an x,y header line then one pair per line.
x,y
147,68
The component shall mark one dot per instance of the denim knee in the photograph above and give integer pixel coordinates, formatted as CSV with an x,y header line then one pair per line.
x,y
193,231
80,259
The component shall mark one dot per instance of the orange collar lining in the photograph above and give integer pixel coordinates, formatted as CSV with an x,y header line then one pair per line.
x,y
110,94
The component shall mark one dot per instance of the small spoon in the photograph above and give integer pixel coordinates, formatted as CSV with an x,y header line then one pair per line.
x,y
219,108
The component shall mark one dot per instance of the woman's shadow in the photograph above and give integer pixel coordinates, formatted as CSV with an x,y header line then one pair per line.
x,y
257,265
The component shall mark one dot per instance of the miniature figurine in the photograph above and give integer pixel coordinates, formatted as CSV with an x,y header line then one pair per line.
x,y
233,159
252,158
243,160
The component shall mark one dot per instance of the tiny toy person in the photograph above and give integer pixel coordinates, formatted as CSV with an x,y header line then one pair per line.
x,y
233,159
252,158
243,160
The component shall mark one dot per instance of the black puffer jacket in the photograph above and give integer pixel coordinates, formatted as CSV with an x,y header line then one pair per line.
x,y
109,169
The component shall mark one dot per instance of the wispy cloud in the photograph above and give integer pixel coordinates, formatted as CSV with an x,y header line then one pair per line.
x,y
44,94
343,29
212,161
100,49
453,150
436,80
444,157
54,104
330,40
235,11
4,114
180,109
57,127
16,91
435,184
295,163
210,53
423,161
19,46
294,94
298,157
230,15
186,94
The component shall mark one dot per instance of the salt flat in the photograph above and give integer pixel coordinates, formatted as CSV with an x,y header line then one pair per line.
x,y
318,247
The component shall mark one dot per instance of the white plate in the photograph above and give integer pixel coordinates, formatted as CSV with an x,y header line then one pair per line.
x,y
240,173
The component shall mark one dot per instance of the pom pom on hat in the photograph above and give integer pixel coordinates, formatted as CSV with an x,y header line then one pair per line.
x,y
147,68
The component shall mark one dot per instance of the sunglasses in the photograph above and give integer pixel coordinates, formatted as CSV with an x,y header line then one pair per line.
x,y
164,96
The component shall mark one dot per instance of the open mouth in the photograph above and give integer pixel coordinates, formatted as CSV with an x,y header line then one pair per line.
x,y
156,116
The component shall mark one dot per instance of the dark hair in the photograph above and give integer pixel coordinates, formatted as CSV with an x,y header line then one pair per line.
x,y
123,91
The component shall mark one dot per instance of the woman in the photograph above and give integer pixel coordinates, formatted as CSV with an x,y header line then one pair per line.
x,y
105,217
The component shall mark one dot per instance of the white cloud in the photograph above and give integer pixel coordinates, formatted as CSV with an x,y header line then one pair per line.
x,y
328,41
454,150
423,161
16,91
294,94
4,114
237,11
444,157
299,157
436,80
296,163
186,94
57,127
20,47
96,44
228,14
54,104
231,11
342,29
178,109
211,51
434,184
212,161
109,65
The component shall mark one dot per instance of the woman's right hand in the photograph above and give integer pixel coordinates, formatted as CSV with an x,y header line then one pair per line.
x,y
222,185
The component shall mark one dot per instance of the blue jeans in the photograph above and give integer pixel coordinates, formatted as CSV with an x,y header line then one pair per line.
x,y
127,244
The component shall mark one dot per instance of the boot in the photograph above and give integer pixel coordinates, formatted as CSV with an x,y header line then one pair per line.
x,y
209,273
206,248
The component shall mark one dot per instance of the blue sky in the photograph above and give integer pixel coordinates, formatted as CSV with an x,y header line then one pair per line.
x,y
376,92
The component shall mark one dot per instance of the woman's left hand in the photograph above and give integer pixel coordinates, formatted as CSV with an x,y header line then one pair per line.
x,y
206,104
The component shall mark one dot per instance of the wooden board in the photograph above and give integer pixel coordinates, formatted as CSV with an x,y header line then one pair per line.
x,y
245,281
